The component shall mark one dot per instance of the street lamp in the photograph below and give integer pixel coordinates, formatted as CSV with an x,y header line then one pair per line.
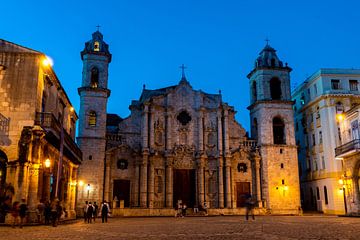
x,y
47,163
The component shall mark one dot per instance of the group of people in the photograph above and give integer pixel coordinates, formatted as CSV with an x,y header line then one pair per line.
x,y
91,212
47,212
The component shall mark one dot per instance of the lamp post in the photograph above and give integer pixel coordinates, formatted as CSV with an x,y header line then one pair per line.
x,y
88,190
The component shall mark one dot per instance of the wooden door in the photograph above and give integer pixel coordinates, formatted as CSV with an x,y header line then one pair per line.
x,y
184,186
242,190
121,190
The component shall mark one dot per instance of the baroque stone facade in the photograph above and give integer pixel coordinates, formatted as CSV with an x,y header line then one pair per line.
x,y
181,144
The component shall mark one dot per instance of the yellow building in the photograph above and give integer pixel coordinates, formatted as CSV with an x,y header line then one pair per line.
x,y
38,155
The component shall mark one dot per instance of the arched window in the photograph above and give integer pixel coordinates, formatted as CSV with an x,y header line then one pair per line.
x,y
275,89
254,91
278,131
94,77
92,118
96,46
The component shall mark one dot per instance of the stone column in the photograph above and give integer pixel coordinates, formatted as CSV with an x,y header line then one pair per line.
x,y
108,177
200,178
228,182
145,125
219,127
137,184
201,131
258,180
168,131
221,184
169,182
151,175
356,192
226,131
152,128
143,181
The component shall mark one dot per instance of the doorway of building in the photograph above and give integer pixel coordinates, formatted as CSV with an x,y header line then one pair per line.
x,y
184,186
121,190
242,191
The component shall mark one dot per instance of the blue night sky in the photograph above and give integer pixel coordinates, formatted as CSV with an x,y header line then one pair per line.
x,y
217,40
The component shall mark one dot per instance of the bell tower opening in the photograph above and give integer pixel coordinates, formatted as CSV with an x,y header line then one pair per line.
x,y
275,89
279,131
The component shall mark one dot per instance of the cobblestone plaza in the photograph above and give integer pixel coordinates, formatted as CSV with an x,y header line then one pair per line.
x,y
227,227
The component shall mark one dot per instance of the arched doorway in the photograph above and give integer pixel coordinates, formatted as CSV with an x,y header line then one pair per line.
x,y
3,165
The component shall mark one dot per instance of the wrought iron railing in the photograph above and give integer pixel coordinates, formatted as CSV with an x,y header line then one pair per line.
x,y
4,125
347,147
48,121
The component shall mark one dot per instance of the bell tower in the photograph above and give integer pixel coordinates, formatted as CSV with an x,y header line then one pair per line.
x,y
272,125
94,95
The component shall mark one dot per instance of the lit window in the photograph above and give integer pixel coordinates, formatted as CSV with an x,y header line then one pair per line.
x,y
94,81
353,85
96,46
92,119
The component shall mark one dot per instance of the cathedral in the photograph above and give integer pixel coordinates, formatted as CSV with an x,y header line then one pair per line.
x,y
183,145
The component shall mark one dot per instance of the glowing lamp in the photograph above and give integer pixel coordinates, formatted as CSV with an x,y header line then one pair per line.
x,y
81,183
341,182
47,62
71,109
47,163
286,188
340,117
88,187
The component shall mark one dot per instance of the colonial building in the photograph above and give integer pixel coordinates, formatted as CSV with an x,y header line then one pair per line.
x,y
318,101
182,144
348,153
38,154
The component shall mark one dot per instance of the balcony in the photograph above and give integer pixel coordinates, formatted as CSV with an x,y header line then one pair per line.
x,y
348,148
52,127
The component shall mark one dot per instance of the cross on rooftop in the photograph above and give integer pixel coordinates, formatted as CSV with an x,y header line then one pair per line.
x,y
182,70
98,27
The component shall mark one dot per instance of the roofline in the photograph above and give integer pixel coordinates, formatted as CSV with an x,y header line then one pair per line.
x,y
326,71
35,51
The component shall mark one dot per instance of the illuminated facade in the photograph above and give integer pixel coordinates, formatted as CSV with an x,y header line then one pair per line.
x,y
318,101
34,108
181,144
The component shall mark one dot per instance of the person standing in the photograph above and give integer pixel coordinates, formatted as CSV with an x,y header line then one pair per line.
x,y
47,212
22,212
105,210
249,207
40,211
90,212
15,213
85,211
54,213
96,211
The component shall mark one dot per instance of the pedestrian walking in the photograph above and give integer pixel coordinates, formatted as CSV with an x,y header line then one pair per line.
x,y
183,212
15,213
96,211
47,212
90,212
54,213
105,210
85,211
250,204
59,211
40,211
22,212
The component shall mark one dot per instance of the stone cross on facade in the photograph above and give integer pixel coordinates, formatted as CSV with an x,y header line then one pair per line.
x,y
182,70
